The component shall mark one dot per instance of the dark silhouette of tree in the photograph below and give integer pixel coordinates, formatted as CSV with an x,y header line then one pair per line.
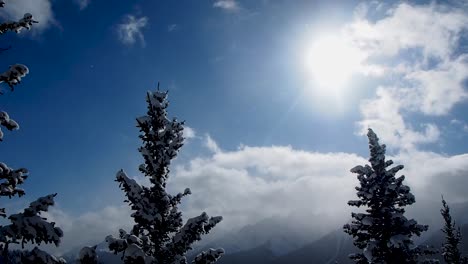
x,y
383,232
450,248
159,235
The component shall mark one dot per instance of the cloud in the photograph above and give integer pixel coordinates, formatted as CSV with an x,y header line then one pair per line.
x,y
254,183
189,132
383,114
276,181
211,144
89,228
251,184
130,31
82,3
172,27
227,5
390,35
424,73
40,9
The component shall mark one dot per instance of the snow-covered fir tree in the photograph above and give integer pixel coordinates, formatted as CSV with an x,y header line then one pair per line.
x,y
383,232
29,226
159,235
451,246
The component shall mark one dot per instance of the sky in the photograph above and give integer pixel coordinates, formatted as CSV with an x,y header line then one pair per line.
x,y
277,97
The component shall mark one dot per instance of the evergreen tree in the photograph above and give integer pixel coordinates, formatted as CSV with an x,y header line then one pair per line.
x,y
159,236
450,249
383,232
28,226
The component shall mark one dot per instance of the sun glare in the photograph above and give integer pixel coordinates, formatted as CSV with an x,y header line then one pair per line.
x,y
331,62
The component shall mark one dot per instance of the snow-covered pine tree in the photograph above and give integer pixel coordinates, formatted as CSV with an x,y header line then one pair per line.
x,y
28,226
383,232
451,246
159,235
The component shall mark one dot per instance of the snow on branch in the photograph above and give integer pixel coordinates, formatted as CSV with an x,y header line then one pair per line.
x,y
26,22
29,226
6,122
10,179
14,75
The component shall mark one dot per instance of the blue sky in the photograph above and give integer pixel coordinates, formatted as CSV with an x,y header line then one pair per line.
x,y
239,73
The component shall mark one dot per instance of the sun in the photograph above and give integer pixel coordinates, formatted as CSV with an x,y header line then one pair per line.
x,y
331,61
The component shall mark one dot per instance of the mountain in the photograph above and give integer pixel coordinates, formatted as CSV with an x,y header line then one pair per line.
x,y
258,255
278,241
278,235
335,246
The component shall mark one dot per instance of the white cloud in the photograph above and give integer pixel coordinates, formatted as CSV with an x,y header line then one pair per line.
x,y
406,26
89,228
383,114
250,184
227,5
189,132
211,144
172,27
130,31
40,9
253,183
82,3
438,90
423,71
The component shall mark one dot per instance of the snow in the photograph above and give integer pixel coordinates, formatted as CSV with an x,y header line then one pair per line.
x,y
14,75
8,123
29,226
25,22
10,179
369,251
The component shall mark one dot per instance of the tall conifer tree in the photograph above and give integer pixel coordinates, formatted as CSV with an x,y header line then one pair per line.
x,y
159,235
451,247
383,232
